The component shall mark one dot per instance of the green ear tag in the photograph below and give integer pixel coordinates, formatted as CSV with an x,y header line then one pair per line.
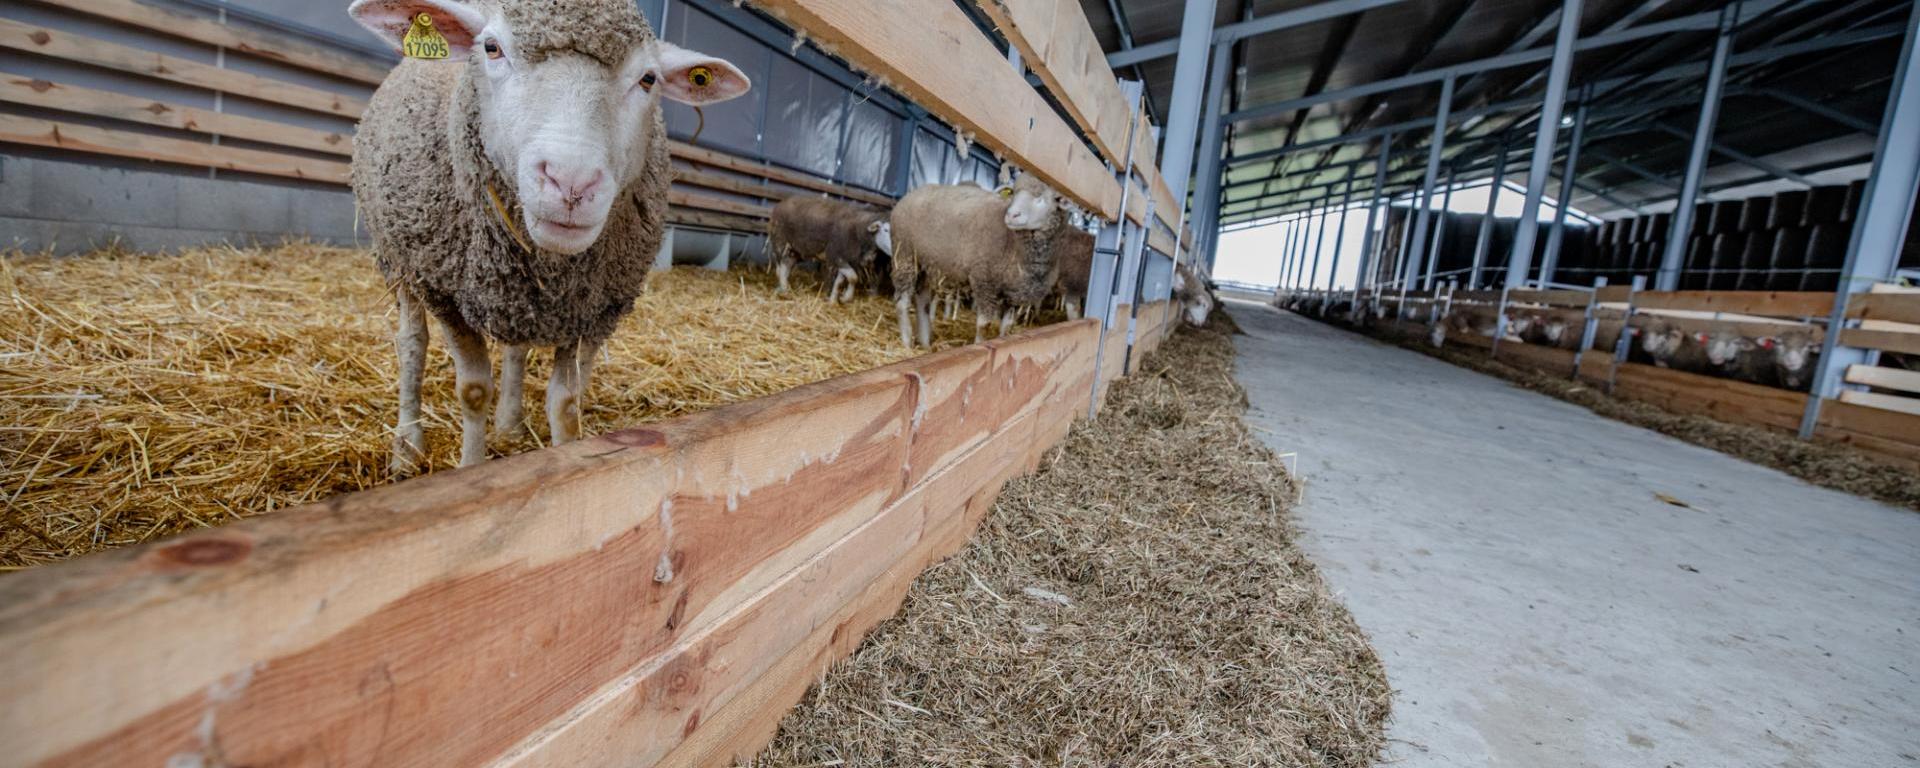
x,y
423,41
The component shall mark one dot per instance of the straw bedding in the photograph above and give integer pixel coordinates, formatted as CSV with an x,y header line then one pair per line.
x,y
142,395
1138,601
1826,464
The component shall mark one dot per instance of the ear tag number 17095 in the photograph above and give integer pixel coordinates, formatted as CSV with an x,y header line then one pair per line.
x,y
423,41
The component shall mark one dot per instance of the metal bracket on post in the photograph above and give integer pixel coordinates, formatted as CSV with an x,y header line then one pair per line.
x,y
1623,344
1137,291
1591,327
1499,323
1112,242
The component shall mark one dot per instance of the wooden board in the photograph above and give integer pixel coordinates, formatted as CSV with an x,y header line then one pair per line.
x,y
1549,360
718,159
1887,341
1725,399
717,204
1769,303
1889,434
1891,307
1057,44
732,184
932,53
1890,403
1560,298
688,217
42,41
1884,378
20,89
285,49
659,593
106,141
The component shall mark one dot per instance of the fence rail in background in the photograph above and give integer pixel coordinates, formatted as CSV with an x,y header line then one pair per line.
x,y
1882,421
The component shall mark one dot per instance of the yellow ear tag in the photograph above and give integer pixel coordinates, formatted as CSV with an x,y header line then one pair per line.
x,y
423,41
701,77
1006,191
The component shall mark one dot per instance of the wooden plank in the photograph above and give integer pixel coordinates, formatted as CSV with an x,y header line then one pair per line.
x,y
1550,360
932,53
1886,341
719,204
1890,307
1889,435
1884,378
690,217
629,584
731,184
38,40
106,141
1556,297
1724,399
718,159
1769,303
1890,403
20,89
285,49
1057,44
1613,293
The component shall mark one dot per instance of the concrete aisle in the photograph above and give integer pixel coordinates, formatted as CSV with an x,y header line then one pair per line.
x,y
1537,605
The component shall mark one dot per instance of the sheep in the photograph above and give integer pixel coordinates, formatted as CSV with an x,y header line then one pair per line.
x,y
1740,357
1670,347
842,236
1001,245
517,192
1076,270
1194,294
1794,355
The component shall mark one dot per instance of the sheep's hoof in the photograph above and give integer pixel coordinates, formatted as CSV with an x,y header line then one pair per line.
x,y
511,434
408,457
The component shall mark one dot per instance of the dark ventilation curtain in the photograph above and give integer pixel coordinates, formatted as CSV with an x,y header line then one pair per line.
x,y
871,141
730,125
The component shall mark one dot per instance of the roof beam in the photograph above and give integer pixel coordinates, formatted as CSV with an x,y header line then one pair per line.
x,y
1235,31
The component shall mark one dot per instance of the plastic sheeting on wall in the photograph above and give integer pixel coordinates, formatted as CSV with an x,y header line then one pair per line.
x,y
730,125
872,139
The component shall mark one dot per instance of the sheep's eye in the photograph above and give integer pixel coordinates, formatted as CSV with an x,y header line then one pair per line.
x,y
701,77
647,80
492,47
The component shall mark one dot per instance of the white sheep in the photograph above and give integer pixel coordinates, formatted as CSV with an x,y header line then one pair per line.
x,y
517,191
1000,245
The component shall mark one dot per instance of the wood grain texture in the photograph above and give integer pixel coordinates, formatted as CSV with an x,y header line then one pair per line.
x,y
107,141
1884,378
1728,400
1562,298
1891,307
29,38
35,92
932,53
285,49
1889,403
642,589
718,159
686,199
1889,435
1769,303
1888,341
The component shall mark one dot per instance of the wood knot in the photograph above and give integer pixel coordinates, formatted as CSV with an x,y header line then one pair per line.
x,y
40,86
636,437
204,552
693,722
40,37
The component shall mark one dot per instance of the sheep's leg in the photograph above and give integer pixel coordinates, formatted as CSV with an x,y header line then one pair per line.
x,y
509,414
1006,322
953,307
566,391
410,340
847,274
782,264
982,311
473,380
833,291
1073,309
924,302
903,305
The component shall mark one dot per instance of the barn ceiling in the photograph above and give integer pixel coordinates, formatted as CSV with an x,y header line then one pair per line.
x,y
1633,157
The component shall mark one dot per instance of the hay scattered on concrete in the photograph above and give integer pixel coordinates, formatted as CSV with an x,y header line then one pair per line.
x,y
1826,464
1138,601
143,395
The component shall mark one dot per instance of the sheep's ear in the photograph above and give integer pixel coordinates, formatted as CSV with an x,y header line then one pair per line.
x,y
874,228
692,77
390,20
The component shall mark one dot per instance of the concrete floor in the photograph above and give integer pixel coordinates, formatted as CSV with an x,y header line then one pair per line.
x,y
1537,605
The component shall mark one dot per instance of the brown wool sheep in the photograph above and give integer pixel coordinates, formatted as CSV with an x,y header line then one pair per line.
x,y
1001,247
845,238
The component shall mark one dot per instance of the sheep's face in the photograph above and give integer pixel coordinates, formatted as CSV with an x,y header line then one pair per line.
x,y
1662,345
568,96
882,236
1030,204
1795,351
1556,329
1724,347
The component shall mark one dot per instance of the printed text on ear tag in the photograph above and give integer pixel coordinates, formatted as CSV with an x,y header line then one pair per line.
x,y
423,41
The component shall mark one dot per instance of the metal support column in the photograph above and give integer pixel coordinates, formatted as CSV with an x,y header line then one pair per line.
x,y
1671,262
1183,115
1484,242
1340,232
1206,204
1435,147
1364,277
1320,239
1439,227
1110,248
1568,177
1520,259
1880,227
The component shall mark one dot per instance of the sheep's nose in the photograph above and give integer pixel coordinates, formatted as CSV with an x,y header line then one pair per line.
x,y
574,184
